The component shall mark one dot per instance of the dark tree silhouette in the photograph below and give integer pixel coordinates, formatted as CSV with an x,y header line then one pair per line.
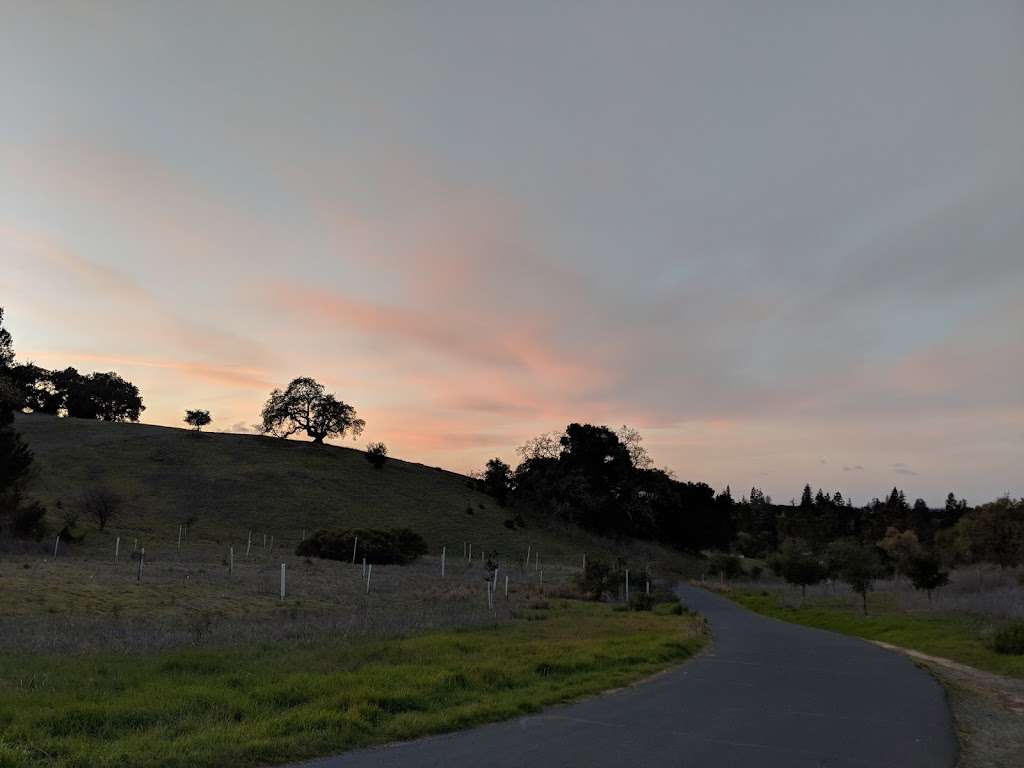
x,y
497,479
926,574
304,406
197,419
20,515
6,346
103,396
376,454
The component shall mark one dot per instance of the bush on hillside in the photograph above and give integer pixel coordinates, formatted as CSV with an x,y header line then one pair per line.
x,y
376,454
397,546
1009,639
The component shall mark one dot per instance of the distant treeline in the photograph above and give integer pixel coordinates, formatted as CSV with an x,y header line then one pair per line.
x,y
602,480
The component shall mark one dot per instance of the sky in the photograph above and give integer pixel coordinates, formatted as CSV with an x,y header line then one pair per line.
x,y
784,242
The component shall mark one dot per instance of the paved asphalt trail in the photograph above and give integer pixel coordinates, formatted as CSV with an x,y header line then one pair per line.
x,y
766,695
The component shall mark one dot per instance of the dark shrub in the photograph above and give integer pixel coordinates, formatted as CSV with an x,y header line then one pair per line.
x,y
397,546
597,581
376,454
725,565
28,519
669,609
641,601
1009,639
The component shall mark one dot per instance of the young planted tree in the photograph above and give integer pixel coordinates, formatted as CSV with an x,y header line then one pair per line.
x,y
376,454
798,565
197,419
101,504
901,547
858,565
925,572
304,406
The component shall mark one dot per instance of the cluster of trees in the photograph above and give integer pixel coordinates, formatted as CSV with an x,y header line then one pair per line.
x,y
103,396
603,480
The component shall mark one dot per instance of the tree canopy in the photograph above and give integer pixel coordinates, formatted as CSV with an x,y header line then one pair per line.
x,y
197,419
305,406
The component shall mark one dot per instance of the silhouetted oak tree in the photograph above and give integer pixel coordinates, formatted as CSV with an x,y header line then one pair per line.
x,y
197,419
304,406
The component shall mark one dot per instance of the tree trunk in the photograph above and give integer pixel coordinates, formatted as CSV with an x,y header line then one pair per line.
x,y
864,601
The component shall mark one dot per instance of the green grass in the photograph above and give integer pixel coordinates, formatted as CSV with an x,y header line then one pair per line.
x,y
270,704
959,637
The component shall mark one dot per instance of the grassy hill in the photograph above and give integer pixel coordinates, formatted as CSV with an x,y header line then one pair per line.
x,y
231,484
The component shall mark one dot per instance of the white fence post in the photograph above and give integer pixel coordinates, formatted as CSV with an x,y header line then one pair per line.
x,y
506,586
248,543
443,550
231,560
56,545
369,573
283,580
117,549
142,560
354,545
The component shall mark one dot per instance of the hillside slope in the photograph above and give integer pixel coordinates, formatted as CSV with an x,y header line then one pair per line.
x,y
234,483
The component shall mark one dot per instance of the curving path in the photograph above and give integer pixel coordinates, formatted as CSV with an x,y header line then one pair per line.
x,y
766,695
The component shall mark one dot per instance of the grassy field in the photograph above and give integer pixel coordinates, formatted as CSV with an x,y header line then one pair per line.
x,y
961,637
272,702
71,603
232,484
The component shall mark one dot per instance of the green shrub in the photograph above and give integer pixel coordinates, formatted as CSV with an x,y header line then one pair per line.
x,y
1009,639
397,546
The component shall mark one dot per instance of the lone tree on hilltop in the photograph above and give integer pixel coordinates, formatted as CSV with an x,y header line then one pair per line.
x,y
197,419
304,406
376,454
